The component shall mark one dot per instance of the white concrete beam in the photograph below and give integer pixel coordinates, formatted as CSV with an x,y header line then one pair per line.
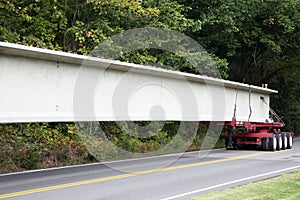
x,y
39,85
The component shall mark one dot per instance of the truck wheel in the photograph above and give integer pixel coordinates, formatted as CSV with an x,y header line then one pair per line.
x,y
265,143
289,141
233,145
226,143
284,141
272,144
279,141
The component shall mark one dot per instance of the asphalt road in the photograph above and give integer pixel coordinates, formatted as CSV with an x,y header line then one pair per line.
x,y
164,178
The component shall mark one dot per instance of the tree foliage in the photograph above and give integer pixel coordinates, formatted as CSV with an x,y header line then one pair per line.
x,y
257,37
260,40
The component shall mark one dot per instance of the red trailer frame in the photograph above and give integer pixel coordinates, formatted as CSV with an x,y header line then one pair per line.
x,y
267,136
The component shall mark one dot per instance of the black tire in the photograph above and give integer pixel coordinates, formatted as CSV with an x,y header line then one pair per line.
x,y
226,143
284,141
279,141
272,144
289,141
234,146
265,142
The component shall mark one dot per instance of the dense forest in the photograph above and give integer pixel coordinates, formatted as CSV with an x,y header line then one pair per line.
x,y
255,42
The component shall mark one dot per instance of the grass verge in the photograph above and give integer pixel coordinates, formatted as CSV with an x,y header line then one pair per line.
x,y
283,187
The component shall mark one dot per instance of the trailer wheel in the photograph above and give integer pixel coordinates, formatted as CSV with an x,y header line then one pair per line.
x,y
226,144
265,142
279,141
272,144
233,145
284,141
289,141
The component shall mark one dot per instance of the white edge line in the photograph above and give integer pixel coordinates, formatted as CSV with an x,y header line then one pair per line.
x,y
100,163
230,182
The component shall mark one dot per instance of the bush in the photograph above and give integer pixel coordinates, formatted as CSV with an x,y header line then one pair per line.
x,y
29,146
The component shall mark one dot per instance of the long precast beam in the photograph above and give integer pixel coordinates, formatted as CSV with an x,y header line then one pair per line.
x,y
39,85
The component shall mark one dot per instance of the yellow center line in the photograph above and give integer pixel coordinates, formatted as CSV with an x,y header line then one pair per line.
x,y
98,180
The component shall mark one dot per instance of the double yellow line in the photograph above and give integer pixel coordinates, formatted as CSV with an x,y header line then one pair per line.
x,y
98,180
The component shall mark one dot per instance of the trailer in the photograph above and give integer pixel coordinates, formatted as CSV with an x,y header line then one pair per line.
x,y
267,136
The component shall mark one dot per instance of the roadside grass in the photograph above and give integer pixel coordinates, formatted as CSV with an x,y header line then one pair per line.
x,y
286,187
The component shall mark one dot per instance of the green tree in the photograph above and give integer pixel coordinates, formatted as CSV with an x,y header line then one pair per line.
x,y
34,23
259,38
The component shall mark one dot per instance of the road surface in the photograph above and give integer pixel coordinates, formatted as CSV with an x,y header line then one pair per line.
x,y
165,177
